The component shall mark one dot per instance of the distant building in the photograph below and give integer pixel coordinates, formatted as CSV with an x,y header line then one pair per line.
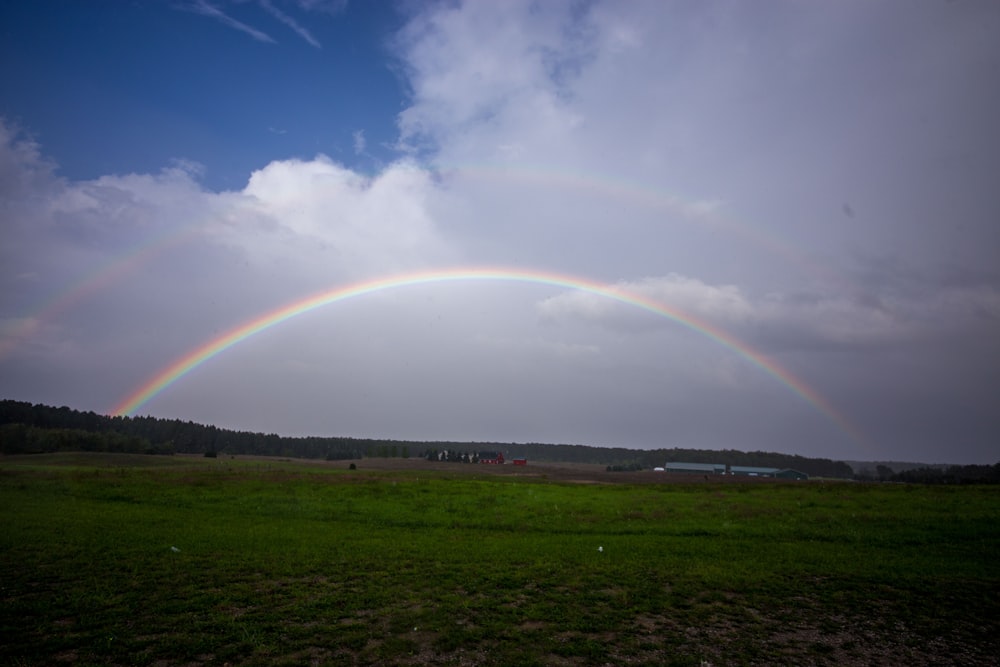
x,y
491,457
788,473
778,473
696,468
752,471
722,469
520,462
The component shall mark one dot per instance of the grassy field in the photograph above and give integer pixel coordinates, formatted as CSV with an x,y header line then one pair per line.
x,y
182,561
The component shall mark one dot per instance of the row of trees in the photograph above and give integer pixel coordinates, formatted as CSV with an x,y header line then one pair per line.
x,y
151,434
387,451
627,467
154,435
25,439
451,455
959,474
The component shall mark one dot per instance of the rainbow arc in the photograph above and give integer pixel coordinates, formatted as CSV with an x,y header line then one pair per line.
x,y
186,363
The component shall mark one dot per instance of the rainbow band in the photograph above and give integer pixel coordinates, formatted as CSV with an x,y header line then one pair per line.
x,y
181,367
90,283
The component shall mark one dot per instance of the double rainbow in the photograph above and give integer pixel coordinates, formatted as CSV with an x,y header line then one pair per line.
x,y
188,362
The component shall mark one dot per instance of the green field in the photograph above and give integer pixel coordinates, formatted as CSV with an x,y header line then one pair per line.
x,y
187,561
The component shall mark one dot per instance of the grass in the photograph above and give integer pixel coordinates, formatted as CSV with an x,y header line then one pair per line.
x,y
163,561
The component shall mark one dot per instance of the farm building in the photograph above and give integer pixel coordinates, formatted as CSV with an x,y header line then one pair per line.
x,y
698,468
788,473
722,469
752,471
491,457
520,462
779,473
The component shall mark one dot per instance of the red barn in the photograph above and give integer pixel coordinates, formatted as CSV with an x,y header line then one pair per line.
x,y
520,462
491,457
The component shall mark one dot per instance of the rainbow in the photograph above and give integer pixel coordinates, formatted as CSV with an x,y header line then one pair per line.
x,y
607,185
188,362
92,282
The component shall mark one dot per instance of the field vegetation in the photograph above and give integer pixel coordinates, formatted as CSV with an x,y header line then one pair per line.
x,y
120,559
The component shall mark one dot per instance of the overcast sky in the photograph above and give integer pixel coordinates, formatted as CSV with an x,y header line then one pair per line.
x,y
817,184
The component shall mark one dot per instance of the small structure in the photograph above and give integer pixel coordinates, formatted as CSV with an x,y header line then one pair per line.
x,y
788,473
491,457
696,468
520,462
752,471
722,469
778,473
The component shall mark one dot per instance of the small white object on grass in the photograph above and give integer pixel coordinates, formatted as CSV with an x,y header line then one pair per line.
x,y
600,548
175,550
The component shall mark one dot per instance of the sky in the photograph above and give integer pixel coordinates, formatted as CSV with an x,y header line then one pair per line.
x,y
703,224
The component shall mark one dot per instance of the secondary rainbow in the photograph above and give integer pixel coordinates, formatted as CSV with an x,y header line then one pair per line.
x,y
91,282
188,362
648,196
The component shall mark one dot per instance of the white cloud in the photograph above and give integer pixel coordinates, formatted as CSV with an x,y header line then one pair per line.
x,y
366,224
722,305
327,6
290,22
359,141
482,66
137,249
22,167
206,9
791,320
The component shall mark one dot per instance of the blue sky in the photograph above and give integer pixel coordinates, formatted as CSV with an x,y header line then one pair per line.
x,y
808,185
150,81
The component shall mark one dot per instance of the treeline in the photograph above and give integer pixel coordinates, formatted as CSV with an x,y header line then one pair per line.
x,y
958,474
28,428
25,439
33,429
449,455
630,459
